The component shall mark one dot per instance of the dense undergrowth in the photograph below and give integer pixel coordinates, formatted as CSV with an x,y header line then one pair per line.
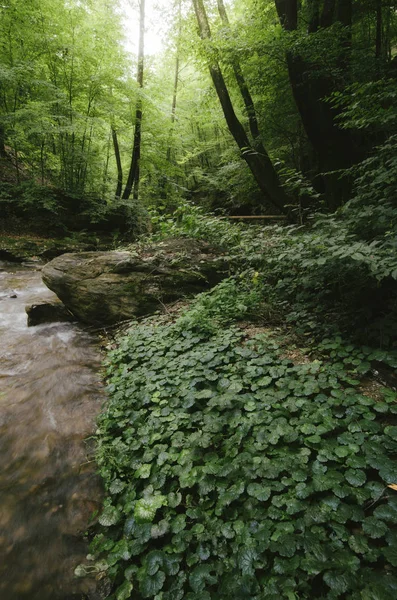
x,y
335,275
234,469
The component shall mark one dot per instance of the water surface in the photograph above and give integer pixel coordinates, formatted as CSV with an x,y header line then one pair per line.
x,y
50,394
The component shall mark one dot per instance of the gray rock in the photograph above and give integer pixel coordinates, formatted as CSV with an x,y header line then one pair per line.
x,y
47,313
103,288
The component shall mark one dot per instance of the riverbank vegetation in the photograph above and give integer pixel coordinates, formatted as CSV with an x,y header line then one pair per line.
x,y
243,457
248,448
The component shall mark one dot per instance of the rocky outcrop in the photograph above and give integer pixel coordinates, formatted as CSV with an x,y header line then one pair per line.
x,y
103,288
46,312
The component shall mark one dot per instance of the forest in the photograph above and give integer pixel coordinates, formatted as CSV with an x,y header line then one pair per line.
x,y
248,445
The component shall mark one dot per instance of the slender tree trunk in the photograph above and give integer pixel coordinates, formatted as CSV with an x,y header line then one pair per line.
x,y
260,165
176,82
379,28
173,108
314,15
134,172
242,84
42,167
2,142
116,147
106,166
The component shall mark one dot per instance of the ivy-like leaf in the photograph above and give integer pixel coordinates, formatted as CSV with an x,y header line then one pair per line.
x,y
259,491
150,585
200,576
146,508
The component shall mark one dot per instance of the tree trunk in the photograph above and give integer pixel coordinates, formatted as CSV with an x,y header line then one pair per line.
x,y
334,147
116,147
288,13
134,172
176,82
242,84
327,16
314,15
379,28
260,165
3,153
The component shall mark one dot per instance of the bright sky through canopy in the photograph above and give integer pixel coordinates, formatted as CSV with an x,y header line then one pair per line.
x,y
156,25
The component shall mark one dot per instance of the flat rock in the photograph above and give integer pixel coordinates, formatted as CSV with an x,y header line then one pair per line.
x,y
47,313
102,288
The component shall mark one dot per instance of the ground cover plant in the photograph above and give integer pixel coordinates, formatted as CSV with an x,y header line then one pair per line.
x,y
338,273
233,472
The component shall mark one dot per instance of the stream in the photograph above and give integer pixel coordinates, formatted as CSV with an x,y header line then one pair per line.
x,y
50,394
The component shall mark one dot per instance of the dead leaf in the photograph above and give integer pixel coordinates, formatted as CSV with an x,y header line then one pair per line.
x,y
393,486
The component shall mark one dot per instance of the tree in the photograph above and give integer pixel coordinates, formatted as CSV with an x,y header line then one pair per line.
x,y
259,164
134,172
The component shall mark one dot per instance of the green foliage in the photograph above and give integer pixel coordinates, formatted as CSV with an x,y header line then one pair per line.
x,y
29,206
233,473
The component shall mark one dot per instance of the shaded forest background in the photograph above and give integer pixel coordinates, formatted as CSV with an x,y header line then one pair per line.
x,y
308,95
279,108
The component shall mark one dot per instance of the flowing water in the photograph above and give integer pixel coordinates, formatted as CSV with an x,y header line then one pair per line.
x,y
50,394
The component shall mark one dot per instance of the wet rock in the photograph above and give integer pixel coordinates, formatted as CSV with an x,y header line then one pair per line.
x,y
9,256
103,288
47,313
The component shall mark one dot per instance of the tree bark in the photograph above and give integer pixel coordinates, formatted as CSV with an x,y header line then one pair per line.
x,y
334,147
379,28
327,15
176,82
260,165
288,14
314,15
134,172
2,142
116,147
242,84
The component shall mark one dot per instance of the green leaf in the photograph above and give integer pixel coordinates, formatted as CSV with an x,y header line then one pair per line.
x,y
146,508
374,528
150,585
124,591
355,477
337,582
259,491
201,576
110,516
246,558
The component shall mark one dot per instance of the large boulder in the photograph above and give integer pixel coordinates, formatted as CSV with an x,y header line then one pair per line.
x,y
103,288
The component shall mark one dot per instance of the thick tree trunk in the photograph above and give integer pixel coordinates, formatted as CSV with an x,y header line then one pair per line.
x,y
134,172
344,12
259,164
288,13
116,147
327,15
334,147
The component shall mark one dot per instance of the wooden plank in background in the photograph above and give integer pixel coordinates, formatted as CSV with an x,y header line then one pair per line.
x,y
256,217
